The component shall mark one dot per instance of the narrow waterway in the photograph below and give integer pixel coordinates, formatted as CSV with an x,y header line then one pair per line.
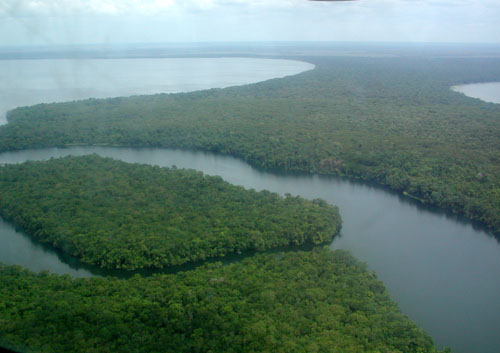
x,y
442,270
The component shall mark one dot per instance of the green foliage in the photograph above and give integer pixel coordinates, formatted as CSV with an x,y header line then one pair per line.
x,y
119,215
319,301
391,120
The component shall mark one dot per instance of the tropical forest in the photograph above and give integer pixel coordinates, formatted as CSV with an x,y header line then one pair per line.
x,y
383,124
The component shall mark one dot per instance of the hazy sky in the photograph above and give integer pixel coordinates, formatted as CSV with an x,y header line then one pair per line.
x,y
123,21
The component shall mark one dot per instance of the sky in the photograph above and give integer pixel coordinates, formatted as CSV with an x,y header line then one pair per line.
x,y
60,22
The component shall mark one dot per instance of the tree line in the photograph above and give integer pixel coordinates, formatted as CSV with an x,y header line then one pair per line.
x,y
390,120
318,301
119,215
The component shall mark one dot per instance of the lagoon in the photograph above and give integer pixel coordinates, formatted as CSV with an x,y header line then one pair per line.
x,y
442,270
488,91
28,82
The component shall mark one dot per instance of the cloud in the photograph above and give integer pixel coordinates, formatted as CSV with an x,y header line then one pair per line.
x,y
15,8
97,21
18,8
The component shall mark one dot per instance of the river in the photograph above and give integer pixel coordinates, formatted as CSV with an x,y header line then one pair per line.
x,y
443,271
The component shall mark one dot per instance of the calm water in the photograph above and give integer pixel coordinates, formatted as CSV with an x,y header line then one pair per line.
x,y
44,81
488,92
442,271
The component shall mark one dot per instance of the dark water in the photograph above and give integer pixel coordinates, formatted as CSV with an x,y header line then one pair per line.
x,y
488,92
443,272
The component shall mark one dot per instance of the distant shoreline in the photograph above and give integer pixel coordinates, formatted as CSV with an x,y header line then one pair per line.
x,y
252,49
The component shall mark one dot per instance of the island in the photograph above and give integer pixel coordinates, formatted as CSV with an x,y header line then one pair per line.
x,y
389,120
119,215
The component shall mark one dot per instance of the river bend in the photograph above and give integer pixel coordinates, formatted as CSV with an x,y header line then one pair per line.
x,y
442,270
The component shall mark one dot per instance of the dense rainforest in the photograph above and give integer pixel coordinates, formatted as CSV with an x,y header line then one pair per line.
x,y
119,215
390,120
318,301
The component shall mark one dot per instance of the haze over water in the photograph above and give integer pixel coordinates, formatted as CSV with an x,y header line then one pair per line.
x,y
488,91
28,82
443,272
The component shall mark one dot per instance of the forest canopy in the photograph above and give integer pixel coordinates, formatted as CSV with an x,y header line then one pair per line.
x,y
119,215
390,120
318,301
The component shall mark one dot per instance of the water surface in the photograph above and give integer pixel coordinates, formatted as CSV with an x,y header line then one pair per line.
x,y
488,92
442,271
56,80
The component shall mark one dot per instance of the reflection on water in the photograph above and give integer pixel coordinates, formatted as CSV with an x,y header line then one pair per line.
x,y
443,271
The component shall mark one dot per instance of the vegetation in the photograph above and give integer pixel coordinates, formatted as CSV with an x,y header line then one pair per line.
x,y
119,215
319,301
391,120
